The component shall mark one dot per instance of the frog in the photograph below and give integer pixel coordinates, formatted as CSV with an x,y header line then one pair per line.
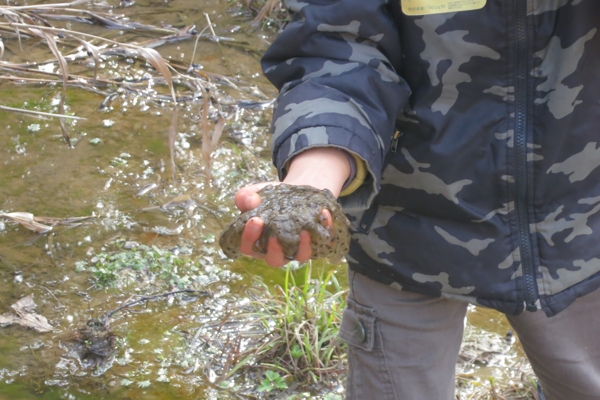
x,y
287,210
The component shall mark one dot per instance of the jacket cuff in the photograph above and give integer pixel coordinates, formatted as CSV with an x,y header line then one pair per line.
x,y
357,175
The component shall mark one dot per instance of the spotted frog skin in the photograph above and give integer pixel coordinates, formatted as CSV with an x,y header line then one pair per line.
x,y
287,210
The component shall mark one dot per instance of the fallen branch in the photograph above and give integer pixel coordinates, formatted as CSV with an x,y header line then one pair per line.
x,y
142,299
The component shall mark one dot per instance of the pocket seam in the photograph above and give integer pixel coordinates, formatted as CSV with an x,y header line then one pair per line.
x,y
351,318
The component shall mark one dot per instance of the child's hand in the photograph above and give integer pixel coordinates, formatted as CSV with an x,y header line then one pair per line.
x,y
246,199
322,168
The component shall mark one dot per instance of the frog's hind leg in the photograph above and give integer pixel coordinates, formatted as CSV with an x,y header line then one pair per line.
x,y
320,241
230,241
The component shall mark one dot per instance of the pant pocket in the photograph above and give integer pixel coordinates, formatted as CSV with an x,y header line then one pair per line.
x,y
358,325
368,375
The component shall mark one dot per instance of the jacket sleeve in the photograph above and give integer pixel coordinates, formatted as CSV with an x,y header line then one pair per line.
x,y
335,66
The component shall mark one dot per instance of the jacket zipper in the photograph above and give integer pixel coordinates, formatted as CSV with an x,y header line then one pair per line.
x,y
521,157
394,146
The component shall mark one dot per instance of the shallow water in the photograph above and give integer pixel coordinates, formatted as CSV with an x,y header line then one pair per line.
x,y
118,152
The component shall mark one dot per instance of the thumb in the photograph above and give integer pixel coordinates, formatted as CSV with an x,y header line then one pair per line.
x,y
246,198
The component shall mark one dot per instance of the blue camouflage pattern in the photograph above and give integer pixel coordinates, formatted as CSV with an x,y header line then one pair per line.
x,y
491,191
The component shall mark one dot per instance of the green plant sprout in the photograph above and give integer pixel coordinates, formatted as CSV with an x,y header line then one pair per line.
x,y
272,381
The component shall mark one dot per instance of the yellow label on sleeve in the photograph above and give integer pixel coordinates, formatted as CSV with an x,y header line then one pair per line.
x,y
426,7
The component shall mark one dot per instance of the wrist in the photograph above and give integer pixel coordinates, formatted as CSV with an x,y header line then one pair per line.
x,y
320,167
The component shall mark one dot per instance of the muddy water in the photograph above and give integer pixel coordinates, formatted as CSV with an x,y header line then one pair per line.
x,y
118,152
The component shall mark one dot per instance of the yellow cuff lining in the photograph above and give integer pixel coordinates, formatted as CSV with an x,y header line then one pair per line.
x,y
359,178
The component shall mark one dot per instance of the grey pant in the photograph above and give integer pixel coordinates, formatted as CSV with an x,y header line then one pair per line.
x,y
404,346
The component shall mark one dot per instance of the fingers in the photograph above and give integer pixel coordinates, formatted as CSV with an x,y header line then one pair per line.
x,y
251,234
274,256
246,198
304,250
326,219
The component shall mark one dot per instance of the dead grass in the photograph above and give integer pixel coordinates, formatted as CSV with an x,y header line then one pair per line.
x,y
175,83
268,13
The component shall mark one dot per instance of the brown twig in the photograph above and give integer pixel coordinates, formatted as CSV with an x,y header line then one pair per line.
x,y
142,299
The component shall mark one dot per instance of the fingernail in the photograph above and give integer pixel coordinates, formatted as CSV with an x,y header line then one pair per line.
x,y
248,201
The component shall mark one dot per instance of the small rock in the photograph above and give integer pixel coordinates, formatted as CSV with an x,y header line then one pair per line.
x,y
130,244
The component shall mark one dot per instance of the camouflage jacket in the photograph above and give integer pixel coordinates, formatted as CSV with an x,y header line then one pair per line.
x,y
490,190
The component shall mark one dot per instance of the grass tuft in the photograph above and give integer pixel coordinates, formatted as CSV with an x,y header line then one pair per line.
x,y
303,323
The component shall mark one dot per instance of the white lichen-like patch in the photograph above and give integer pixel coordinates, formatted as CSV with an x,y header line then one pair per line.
x,y
34,127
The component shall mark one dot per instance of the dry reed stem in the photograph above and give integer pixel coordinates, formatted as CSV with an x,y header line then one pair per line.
x,y
27,24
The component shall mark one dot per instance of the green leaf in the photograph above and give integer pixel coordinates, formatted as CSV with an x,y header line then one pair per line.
x,y
280,384
296,351
272,375
265,386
